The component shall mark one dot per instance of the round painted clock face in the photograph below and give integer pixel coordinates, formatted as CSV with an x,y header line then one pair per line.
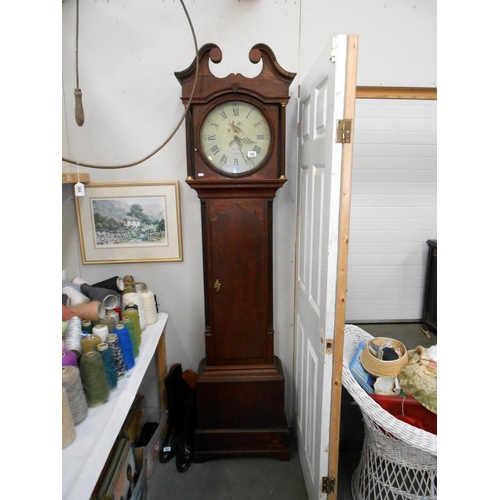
x,y
235,137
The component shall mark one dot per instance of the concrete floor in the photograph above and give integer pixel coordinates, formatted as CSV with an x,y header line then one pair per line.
x,y
266,478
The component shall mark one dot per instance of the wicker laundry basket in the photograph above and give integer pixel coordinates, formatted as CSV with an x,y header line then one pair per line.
x,y
398,460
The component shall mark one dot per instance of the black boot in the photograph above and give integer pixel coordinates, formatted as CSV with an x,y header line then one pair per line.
x,y
174,401
184,457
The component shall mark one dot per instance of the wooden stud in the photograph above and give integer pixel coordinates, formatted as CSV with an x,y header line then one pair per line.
x,y
161,356
70,178
424,93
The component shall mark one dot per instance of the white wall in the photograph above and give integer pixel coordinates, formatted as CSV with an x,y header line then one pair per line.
x,y
397,38
393,209
128,53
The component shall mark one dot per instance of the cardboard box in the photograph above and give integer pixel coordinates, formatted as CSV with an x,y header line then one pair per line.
x,y
151,451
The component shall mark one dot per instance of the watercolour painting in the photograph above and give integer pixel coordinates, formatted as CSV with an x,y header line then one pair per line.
x,y
130,222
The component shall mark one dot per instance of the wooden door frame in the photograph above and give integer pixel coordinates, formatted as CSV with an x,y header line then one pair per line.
x,y
341,285
423,93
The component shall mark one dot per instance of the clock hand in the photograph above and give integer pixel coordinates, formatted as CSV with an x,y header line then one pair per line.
x,y
240,145
245,140
236,140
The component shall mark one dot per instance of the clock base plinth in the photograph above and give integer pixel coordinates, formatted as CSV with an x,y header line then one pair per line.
x,y
241,412
232,443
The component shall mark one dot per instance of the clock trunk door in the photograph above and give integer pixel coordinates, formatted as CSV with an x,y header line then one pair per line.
x,y
240,330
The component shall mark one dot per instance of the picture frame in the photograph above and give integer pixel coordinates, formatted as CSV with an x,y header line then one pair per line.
x,y
125,222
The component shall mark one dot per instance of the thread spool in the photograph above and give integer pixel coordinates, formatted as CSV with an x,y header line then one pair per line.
x,y
68,426
110,320
94,381
109,364
69,358
133,314
136,298
149,301
93,311
140,286
67,283
67,313
109,298
72,382
89,343
73,336
113,314
114,345
101,330
125,345
128,284
78,281
75,296
64,328
116,284
134,336
86,327
118,311
65,300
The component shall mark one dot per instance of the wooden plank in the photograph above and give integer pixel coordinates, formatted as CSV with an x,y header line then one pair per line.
x,y
427,93
70,178
161,356
340,307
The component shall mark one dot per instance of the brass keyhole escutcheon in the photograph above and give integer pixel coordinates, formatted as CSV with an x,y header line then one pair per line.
x,y
217,285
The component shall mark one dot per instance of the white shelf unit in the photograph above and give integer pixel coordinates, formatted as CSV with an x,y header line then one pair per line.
x,y
84,459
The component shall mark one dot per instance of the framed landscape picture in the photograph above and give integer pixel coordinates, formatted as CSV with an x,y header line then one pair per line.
x,y
130,222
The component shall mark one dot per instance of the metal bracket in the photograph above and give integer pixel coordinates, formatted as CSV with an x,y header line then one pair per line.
x,y
344,131
328,484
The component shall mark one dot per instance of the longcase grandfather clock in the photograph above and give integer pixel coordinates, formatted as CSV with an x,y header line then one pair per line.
x,y
235,132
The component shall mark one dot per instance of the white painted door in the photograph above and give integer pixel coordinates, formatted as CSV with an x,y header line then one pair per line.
x,y
321,103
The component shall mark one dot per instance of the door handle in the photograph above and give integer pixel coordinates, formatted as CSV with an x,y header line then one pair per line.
x,y
217,286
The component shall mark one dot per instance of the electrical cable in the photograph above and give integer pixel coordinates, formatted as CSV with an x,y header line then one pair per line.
x,y
105,167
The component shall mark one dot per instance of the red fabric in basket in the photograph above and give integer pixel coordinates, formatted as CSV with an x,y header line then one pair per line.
x,y
408,410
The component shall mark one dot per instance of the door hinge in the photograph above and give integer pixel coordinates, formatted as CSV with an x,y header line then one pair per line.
x,y
344,130
328,484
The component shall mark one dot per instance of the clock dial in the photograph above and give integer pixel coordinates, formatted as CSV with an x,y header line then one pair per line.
x,y
235,137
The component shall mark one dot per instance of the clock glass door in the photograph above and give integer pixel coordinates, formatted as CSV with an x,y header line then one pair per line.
x,y
235,138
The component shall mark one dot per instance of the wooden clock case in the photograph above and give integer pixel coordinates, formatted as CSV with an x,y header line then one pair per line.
x,y
241,387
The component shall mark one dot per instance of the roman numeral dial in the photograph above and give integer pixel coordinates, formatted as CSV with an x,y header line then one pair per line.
x,y
235,138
